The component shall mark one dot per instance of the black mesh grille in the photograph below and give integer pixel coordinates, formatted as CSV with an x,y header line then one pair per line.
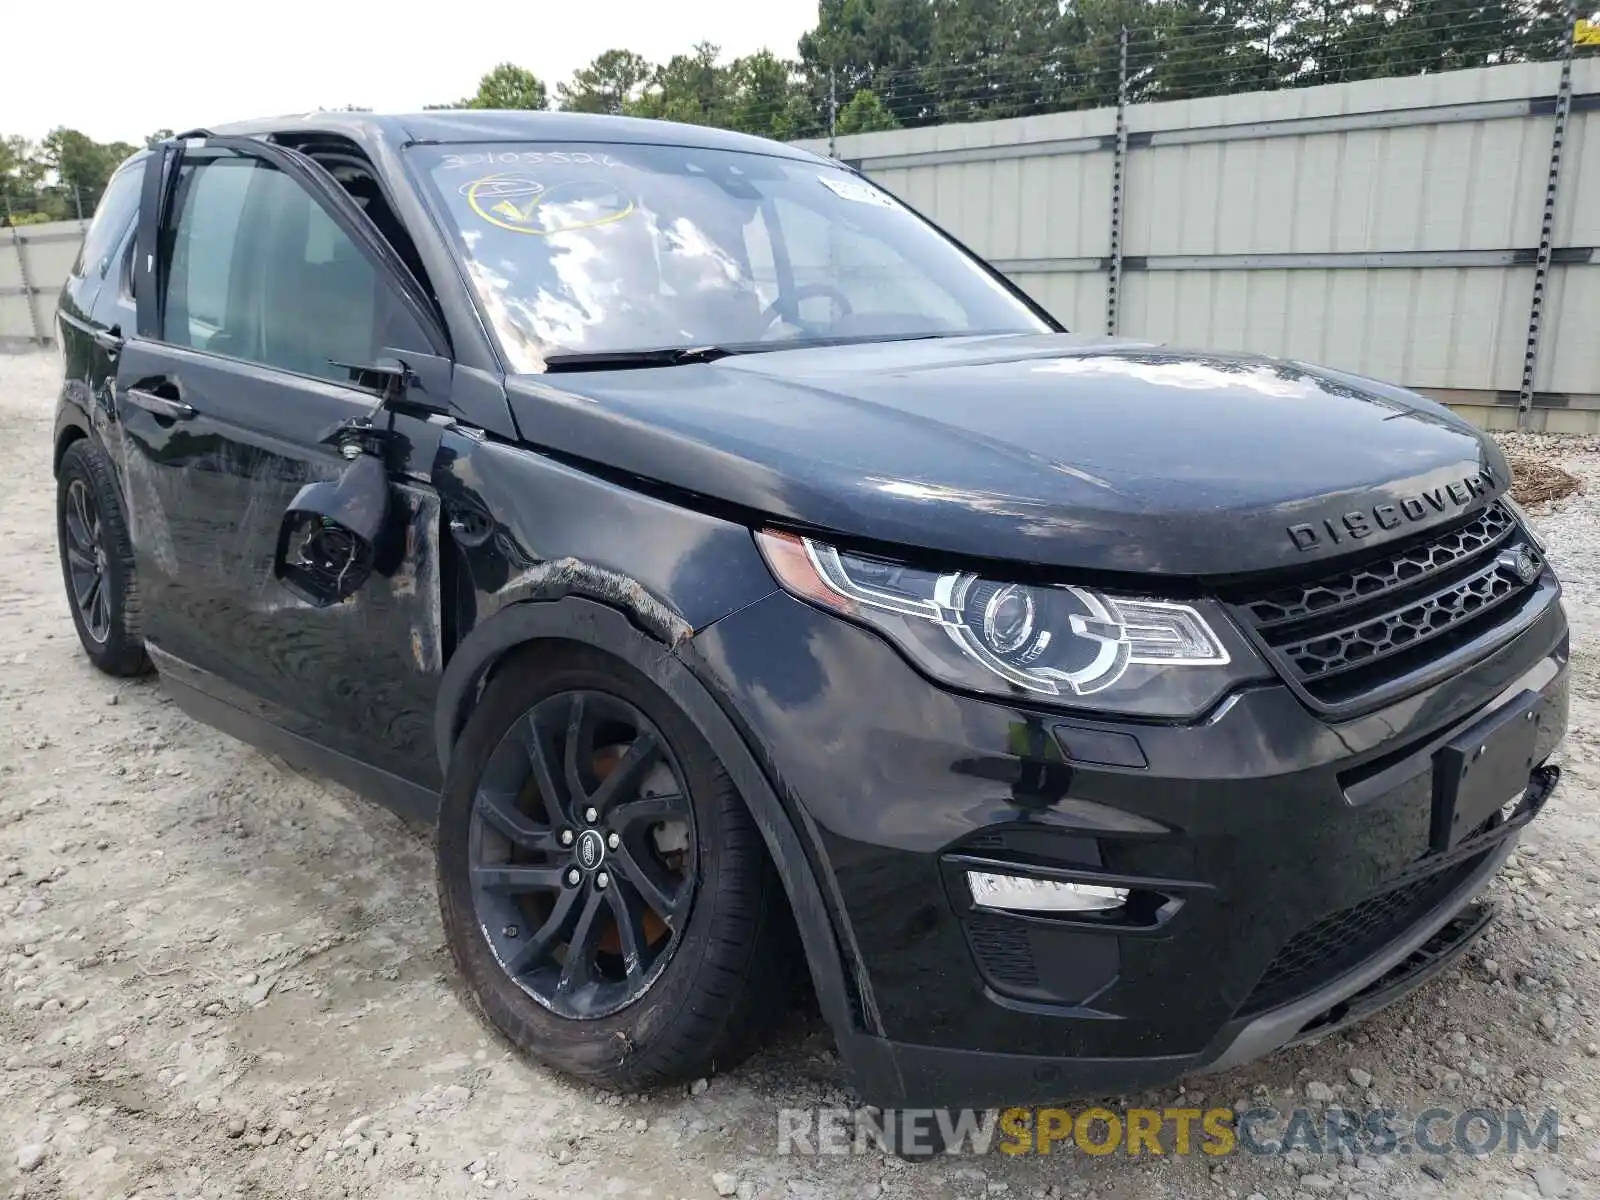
x,y
1341,940
1347,635
1326,653
1349,587
1003,951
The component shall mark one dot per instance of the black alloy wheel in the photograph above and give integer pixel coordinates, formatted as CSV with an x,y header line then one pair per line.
x,y
97,565
581,853
85,551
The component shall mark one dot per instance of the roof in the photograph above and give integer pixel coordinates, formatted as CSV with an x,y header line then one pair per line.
x,y
497,125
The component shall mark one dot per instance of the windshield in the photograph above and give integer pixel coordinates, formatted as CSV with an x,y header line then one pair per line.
x,y
609,248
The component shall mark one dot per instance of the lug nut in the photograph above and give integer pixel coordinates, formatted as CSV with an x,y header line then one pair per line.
x,y
613,841
510,931
591,815
602,880
566,837
573,876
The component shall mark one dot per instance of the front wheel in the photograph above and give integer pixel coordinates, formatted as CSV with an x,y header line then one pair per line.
x,y
97,562
604,892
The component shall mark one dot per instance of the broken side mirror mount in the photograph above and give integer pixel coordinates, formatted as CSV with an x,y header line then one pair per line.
x,y
328,540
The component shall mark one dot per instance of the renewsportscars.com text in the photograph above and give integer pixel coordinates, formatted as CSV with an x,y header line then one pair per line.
x,y
1215,1132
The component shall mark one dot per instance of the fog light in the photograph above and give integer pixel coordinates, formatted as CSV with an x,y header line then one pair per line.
x,y
1021,894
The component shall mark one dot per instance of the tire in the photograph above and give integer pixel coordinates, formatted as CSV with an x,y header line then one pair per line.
x,y
728,971
89,520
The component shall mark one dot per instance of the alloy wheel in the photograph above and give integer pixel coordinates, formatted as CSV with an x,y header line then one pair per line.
x,y
581,852
86,561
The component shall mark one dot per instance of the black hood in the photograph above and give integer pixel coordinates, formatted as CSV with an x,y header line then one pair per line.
x,y
1055,450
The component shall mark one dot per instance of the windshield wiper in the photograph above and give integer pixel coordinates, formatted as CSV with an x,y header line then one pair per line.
x,y
673,356
669,356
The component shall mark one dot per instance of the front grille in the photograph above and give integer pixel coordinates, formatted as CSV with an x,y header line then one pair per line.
x,y
1340,940
1346,635
1452,938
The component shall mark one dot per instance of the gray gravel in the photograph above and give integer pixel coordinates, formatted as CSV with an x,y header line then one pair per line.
x,y
219,977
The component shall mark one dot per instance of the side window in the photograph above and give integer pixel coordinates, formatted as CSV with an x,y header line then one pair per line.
x,y
204,241
260,271
112,218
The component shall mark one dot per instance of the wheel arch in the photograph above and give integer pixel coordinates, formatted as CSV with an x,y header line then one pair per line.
x,y
594,623
67,432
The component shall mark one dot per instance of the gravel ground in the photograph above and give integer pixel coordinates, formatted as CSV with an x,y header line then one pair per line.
x,y
223,978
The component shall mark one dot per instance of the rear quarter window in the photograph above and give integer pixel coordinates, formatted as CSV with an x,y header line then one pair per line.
x,y
112,217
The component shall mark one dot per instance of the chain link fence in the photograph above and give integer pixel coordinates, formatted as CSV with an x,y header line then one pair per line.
x,y
45,204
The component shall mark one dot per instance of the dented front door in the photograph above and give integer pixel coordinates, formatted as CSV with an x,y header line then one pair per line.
x,y
224,400
207,491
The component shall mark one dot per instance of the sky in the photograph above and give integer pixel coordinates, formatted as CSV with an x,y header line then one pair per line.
x,y
182,64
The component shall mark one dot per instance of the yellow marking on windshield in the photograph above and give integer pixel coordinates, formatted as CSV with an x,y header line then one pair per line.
x,y
507,213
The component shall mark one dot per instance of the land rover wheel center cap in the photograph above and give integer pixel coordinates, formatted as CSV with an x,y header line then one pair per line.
x,y
590,850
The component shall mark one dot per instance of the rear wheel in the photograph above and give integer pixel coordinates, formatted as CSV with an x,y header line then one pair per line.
x,y
97,562
604,891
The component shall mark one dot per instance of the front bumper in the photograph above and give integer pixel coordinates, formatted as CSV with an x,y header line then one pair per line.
x,y
1287,867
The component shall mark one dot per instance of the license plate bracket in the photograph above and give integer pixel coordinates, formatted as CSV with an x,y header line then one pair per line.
x,y
1483,767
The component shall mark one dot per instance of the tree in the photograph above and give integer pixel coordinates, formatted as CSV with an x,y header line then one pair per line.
x,y
689,87
82,165
764,96
507,86
152,140
609,84
864,114
1446,35
881,45
997,58
1215,47
20,166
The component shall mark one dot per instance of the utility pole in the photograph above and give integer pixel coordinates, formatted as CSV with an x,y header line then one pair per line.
x,y
1541,265
28,290
1118,171
833,114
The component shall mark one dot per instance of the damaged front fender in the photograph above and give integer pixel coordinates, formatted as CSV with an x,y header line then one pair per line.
x,y
529,529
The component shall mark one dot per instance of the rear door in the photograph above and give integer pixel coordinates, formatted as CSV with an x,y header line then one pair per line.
x,y
255,277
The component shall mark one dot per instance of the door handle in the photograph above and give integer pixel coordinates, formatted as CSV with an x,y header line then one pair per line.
x,y
161,406
109,340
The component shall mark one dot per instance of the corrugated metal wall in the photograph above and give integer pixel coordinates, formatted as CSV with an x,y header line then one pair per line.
x,y
1386,227
31,275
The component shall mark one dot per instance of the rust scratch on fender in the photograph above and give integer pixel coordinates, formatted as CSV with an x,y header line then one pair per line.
x,y
571,576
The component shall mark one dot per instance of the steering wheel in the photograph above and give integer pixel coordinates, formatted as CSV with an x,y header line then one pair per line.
x,y
805,292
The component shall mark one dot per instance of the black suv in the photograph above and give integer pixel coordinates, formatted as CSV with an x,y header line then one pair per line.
x,y
743,574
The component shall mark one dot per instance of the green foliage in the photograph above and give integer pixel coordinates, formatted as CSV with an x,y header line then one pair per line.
x,y
609,84
883,46
506,86
57,179
865,114
81,162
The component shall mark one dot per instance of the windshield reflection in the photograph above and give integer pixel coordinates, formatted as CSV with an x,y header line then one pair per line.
x,y
615,248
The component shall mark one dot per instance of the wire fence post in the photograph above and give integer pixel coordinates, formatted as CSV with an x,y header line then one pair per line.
x,y
833,114
28,299
1541,263
1118,167
77,201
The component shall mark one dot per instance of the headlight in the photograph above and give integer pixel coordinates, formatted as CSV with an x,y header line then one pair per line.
x,y
1074,646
